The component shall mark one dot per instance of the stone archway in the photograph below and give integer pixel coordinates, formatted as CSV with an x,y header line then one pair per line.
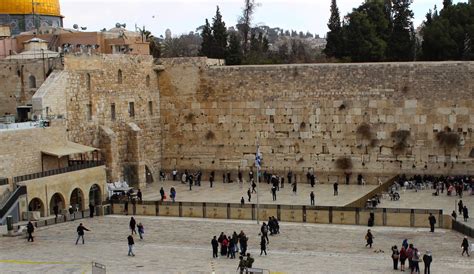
x,y
77,199
95,195
57,199
36,205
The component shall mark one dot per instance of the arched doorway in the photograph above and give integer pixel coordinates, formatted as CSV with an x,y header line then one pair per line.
x,y
77,199
148,175
36,205
95,195
57,199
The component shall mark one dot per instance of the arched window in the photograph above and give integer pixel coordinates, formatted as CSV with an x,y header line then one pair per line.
x,y
119,76
88,81
32,81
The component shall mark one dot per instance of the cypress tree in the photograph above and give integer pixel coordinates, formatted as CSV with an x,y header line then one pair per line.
x,y
401,46
234,52
334,36
219,34
207,40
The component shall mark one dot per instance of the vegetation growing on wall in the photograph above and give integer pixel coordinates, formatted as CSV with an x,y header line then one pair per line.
x,y
344,163
400,138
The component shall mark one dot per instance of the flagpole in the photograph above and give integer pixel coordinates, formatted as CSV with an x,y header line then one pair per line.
x,y
258,183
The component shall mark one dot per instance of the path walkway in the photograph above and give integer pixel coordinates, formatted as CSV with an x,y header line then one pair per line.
x,y
175,245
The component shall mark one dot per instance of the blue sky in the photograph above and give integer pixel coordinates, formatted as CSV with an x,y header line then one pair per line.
x,y
182,16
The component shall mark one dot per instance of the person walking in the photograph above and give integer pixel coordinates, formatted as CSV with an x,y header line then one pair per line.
x,y
294,187
30,228
249,194
173,194
131,242
71,213
311,197
427,259
264,231
254,185
395,257
162,194
132,225
465,213
432,221
214,245
91,210
369,238
141,230
80,232
125,207
465,246
242,265
263,246
243,243
335,187
410,256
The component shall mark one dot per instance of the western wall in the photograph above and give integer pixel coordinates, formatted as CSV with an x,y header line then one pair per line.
x,y
385,117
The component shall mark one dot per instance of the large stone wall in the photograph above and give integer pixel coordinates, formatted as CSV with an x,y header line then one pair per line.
x,y
84,93
307,116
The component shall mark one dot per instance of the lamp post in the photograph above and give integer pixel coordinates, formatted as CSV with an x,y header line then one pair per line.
x,y
33,4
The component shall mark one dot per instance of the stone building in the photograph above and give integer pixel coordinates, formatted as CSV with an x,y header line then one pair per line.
x,y
111,102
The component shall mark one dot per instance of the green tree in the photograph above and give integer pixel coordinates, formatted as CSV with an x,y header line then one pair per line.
x,y
366,32
449,34
334,36
401,46
234,53
207,40
219,36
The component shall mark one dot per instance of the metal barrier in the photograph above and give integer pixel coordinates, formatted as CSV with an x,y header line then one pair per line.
x,y
3,181
463,229
11,200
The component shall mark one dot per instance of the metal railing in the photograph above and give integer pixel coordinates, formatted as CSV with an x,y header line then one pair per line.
x,y
86,165
11,200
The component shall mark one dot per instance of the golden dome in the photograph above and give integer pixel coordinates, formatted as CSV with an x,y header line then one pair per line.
x,y
43,7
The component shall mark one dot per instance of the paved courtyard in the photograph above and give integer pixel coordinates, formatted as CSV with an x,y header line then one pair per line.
x,y
174,245
424,199
231,193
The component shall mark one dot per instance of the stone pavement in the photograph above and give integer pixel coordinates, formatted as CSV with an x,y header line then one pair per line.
x,y
231,193
182,245
425,200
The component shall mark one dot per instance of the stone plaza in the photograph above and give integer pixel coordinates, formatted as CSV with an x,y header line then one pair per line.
x,y
182,245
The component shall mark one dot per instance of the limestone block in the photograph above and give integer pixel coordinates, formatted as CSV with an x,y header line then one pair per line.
x,y
411,103
270,111
372,103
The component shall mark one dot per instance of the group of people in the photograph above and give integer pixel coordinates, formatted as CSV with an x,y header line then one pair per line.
x,y
413,255
463,211
229,245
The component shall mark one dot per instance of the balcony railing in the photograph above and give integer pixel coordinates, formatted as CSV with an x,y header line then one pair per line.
x,y
77,165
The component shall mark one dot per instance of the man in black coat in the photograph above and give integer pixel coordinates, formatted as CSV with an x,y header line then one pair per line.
x,y
215,245
30,228
432,221
80,232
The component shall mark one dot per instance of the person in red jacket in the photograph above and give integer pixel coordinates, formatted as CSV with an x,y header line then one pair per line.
x,y
403,258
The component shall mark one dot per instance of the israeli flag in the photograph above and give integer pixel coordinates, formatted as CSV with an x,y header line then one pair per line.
x,y
258,158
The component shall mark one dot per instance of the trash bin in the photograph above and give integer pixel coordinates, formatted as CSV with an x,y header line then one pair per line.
x,y
9,223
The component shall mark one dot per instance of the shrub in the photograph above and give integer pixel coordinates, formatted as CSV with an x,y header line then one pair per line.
x,y
210,135
344,163
448,140
365,131
401,140
189,117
